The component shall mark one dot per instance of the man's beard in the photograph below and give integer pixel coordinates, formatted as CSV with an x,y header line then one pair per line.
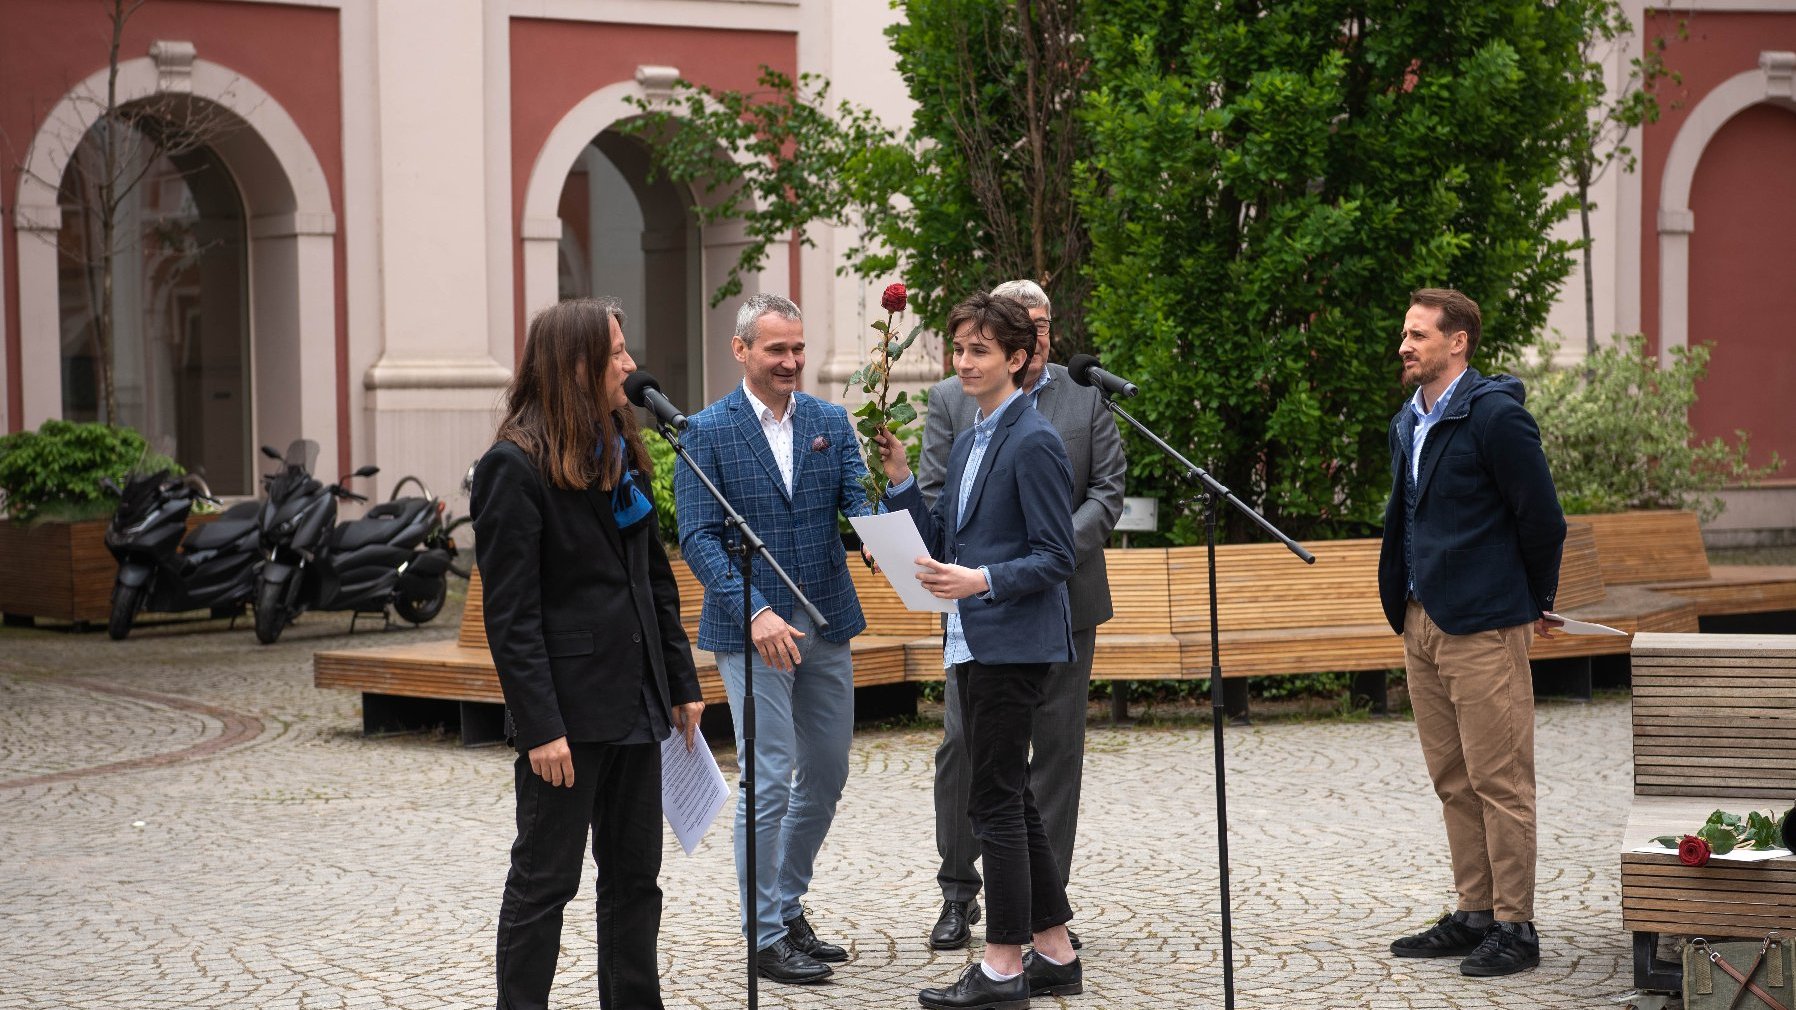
x,y
1425,373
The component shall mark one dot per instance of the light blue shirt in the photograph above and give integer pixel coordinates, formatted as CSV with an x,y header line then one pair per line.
x,y
954,646
1425,421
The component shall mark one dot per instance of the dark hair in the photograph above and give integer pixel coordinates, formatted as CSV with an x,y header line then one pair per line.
x,y
554,407
1002,319
1457,313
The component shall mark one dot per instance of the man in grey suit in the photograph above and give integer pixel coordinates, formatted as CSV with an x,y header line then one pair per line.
x,y
1095,450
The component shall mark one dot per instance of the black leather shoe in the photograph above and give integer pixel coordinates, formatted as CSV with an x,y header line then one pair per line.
x,y
782,962
975,990
804,938
1049,979
1073,938
1508,947
1446,938
952,930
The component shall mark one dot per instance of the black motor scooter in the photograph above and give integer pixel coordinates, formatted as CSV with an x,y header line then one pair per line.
x,y
160,569
364,565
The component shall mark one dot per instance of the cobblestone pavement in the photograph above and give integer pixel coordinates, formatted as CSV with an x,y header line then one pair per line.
x,y
186,822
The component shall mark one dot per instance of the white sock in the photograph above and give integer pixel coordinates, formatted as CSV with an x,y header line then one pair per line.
x,y
1050,960
994,974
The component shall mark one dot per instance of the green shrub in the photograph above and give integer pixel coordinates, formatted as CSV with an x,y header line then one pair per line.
x,y
54,472
1616,430
661,484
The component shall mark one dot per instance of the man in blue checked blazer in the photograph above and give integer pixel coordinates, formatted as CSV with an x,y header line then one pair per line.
x,y
789,463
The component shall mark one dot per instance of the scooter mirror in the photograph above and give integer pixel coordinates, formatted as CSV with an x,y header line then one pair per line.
x,y
367,471
271,452
106,484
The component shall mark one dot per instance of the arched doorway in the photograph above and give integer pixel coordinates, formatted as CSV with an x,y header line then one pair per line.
x,y
153,296
627,236
1743,280
286,306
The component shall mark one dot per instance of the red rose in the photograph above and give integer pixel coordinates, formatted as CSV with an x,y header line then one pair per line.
x,y
893,299
1693,851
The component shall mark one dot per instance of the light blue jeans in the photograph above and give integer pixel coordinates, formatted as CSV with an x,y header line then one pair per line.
x,y
804,723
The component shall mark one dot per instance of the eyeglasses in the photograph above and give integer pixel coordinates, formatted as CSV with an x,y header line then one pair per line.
x,y
1043,325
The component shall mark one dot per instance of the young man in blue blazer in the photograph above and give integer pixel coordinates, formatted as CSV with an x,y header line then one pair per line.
x,y
1000,540
789,463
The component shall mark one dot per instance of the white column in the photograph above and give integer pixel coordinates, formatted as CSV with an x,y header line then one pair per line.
x,y
40,323
1675,226
431,394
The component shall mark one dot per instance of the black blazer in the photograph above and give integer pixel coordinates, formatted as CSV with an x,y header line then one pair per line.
x,y
576,612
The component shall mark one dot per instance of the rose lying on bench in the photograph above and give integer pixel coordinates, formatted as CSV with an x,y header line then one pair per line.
x,y
1723,832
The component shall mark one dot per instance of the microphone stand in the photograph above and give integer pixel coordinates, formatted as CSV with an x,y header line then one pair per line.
x,y
743,547
1214,494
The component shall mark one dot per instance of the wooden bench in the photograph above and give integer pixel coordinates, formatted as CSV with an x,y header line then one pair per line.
x,y
453,682
1714,727
1663,550
1279,616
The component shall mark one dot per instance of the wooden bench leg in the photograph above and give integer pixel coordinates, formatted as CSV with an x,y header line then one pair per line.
x,y
1650,973
1570,677
1234,701
482,723
1369,686
1119,703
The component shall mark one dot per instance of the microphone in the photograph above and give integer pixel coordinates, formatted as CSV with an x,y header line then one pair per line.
x,y
642,390
1085,372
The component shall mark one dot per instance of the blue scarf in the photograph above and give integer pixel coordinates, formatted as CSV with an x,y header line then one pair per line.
x,y
629,505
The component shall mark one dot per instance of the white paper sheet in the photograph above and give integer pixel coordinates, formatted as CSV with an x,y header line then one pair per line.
x,y
1572,627
896,545
1739,855
692,789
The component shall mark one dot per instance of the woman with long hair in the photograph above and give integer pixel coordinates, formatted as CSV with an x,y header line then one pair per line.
x,y
582,616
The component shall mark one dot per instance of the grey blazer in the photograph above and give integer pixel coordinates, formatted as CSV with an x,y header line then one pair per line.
x,y
1093,447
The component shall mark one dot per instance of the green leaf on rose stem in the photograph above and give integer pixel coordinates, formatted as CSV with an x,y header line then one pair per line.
x,y
1720,838
882,326
902,413
913,336
867,426
855,380
1669,841
868,409
1761,831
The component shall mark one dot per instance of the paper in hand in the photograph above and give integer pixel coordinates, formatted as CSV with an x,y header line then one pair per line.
x,y
1572,627
893,541
692,789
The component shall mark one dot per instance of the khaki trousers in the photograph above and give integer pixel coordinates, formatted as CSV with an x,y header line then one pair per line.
x,y
1473,697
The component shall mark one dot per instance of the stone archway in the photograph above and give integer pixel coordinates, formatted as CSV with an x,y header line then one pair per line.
x,y
540,228
291,236
1774,82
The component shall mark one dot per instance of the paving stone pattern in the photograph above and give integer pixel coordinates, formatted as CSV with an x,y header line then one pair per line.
x,y
295,864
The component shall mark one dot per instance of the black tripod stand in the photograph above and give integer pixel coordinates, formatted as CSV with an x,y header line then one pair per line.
x,y
744,546
1213,495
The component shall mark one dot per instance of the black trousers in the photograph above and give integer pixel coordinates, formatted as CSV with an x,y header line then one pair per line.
x,y
1023,890
617,797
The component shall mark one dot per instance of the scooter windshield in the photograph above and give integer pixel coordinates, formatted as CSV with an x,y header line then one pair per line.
x,y
302,453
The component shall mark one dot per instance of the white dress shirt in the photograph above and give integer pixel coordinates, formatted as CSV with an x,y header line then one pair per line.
x,y
778,431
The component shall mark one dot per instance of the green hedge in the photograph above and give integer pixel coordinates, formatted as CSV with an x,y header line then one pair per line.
x,y
54,472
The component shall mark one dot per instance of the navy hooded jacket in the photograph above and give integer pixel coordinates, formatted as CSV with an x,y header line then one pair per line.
x,y
1486,529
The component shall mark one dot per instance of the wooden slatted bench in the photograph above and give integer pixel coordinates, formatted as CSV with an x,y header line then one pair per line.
x,y
453,682
1714,726
1280,616
1663,550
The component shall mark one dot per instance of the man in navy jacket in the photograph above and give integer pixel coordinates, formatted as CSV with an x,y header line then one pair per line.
x,y
1469,566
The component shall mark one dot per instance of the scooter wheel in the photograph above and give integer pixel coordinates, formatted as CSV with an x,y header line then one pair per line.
x,y
126,601
271,612
421,609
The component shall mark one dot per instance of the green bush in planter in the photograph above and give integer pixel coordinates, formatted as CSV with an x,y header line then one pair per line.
x,y
1616,430
662,456
54,472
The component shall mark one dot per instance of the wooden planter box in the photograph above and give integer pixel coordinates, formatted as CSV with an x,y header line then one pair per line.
x,y
58,570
